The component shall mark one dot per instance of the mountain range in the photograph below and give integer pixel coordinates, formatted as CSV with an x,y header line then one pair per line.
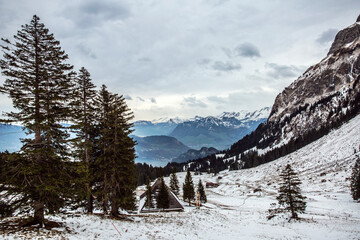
x,y
212,131
221,131
158,140
325,96
162,140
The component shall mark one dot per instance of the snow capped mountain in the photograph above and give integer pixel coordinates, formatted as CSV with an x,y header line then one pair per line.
x,y
174,120
243,121
221,131
247,116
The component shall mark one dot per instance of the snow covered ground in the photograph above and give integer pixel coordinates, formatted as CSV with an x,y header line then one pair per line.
x,y
234,211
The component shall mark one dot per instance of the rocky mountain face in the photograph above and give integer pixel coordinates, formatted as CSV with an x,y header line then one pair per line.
x,y
323,92
325,96
193,154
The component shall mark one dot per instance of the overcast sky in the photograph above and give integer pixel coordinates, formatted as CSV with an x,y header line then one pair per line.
x,y
189,57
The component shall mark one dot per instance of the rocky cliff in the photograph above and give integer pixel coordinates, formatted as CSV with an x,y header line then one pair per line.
x,y
321,93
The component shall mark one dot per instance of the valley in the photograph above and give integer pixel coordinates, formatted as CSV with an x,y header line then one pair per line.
x,y
234,211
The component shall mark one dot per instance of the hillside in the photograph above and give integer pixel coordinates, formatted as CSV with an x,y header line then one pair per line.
x,y
234,211
195,154
158,150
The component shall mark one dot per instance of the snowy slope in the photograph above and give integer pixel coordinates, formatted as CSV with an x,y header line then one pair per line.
x,y
234,211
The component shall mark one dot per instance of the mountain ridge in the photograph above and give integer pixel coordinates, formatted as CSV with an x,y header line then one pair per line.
x,y
325,96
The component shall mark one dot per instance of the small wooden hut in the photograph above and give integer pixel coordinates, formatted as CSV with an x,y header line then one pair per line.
x,y
174,201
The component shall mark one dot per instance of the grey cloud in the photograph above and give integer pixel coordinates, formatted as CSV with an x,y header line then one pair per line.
x,y
105,9
217,99
86,51
327,36
92,13
141,99
247,50
204,61
193,102
283,71
153,100
144,60
228,52
225,66
128,97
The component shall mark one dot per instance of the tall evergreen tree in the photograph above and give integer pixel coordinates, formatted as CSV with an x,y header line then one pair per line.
x,y
188,188
201,191
174,183
290,197
355,180
116,159
149,196
162,199
84,127
38,80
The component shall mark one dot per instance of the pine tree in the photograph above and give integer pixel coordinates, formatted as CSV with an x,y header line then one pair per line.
x,y
38,80
201,191
188,188
115,164
290,197
84,127
149,196
162,199
355,180
174,183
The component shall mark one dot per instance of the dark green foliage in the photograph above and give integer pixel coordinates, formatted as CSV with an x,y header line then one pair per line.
x,y
174,183
115,165
188,188
83,111
162,199
290,198
201,191
145,171
45,92
38,80
5,209
355,180
149,196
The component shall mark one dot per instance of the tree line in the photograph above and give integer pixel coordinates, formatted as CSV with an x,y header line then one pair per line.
x,y
92,167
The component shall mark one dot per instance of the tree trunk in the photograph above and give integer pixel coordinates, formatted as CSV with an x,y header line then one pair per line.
x,y
39,213
90,207
114,208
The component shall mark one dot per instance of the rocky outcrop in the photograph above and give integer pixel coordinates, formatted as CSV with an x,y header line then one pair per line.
x,y
336,73
320,96
345,36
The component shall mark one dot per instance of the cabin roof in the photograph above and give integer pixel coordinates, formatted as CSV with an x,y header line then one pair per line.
x,y
175,204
